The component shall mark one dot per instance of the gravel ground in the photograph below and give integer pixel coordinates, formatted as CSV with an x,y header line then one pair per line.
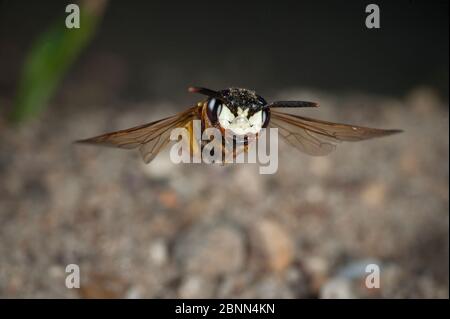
x,y
199,231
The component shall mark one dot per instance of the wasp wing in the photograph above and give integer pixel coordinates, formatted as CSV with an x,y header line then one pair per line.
x,y
149,138
317,137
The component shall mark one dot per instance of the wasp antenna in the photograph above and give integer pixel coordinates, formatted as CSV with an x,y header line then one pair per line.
x,y
203,91
293,104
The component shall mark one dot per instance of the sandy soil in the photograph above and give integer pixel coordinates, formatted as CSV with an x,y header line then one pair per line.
x,y
165,230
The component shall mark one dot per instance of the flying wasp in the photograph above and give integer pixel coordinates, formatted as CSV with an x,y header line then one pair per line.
x,y
244,114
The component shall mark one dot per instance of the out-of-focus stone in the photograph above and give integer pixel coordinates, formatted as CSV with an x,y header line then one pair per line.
x,y
337,288
247,181
314,194
232,285
272,244
168,199
423,100
320,166
194,286
409,162
101,286
297,281
269,288
350,281
317,269
161,167
215,251
374,194
133,293
158,252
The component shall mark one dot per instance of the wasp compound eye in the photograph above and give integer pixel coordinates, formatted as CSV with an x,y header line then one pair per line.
x,y
265,117
261,101
213,110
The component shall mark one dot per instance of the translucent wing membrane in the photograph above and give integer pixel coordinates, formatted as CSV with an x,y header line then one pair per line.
x,y
149,138
316,137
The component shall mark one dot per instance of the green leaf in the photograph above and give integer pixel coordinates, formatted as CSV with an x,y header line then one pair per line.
x,y
49,59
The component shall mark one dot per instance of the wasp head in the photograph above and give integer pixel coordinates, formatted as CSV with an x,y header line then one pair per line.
x,y
240,110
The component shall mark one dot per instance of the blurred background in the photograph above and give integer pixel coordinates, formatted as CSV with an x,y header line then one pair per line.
x,y
200,231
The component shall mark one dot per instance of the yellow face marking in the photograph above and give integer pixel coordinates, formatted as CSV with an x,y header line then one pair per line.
x,y
240,124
